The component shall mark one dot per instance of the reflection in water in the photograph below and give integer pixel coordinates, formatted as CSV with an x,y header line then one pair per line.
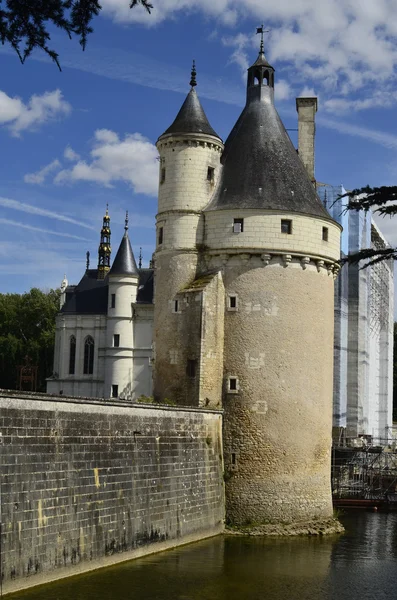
x,y
357,566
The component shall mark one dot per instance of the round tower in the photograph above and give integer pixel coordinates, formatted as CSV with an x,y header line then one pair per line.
x,y
123,285
190,153
278,248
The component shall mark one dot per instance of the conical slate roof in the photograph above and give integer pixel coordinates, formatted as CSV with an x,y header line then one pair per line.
x,y
124,263
191,118
261,166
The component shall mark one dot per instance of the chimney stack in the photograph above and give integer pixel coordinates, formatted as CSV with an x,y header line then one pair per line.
x,y
307,108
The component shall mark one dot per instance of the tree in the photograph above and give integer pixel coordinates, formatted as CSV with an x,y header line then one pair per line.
x,y
380,200
27,328
24,24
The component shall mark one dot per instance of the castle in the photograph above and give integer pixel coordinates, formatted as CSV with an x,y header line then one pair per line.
x,y
242,313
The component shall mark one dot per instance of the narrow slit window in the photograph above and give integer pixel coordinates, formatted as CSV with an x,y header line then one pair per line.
x,y
238,225
232,302
191,368
162,178
161,235
210,174
116,340
233,458
113,301
176,306
233,384
88,367
325,234
115,391
72,355
286,226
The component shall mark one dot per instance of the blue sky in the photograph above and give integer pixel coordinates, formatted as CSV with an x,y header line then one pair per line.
x,y
76,140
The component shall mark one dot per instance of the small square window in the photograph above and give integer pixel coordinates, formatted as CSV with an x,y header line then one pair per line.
x,y
232,385
325,234
210,174
113,301
116,340
238,226
191,368
286,226
232,302
162,178
160,235
115,391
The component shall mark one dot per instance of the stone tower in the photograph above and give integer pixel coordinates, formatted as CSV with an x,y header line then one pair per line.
x,y
190,153
277,247
123,280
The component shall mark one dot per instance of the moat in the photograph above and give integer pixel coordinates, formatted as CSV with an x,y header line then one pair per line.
x,y
360,564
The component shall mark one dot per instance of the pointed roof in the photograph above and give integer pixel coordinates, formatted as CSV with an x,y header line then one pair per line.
x,y
191,117
261,167
124,263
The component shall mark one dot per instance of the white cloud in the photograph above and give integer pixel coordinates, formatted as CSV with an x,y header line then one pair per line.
x,y
132,160
40,176
43,212
70,154
388,140
18,116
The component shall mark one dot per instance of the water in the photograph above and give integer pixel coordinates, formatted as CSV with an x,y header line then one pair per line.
x,y
360,565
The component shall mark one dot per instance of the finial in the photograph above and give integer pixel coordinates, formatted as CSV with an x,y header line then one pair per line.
x,y
87,266
107,208
126,221
261,30
193,73
140,258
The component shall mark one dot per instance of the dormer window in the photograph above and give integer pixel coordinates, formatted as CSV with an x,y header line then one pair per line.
x,y
238,225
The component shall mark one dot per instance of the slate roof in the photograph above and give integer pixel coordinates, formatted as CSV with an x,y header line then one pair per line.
x,y
191,118
124,263
262,169
90,296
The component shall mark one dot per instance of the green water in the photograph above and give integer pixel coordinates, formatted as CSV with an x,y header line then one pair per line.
x,y
360,565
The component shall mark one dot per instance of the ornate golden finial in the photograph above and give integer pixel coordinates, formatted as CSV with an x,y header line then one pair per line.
x,y
106,217
104,249
193,73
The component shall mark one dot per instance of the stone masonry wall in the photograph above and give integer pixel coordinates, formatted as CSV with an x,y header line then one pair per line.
x,y
85,480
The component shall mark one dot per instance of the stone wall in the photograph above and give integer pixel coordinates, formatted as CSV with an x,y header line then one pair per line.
x,y
83,482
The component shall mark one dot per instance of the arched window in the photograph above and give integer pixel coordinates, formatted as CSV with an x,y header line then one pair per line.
x,y
257,78
265,77
88,356
72,355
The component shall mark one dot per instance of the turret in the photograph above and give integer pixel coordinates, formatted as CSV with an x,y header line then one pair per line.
x,y
190,153
123,285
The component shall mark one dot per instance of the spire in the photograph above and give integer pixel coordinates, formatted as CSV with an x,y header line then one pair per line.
x,y
124,263
140,259
261,168
87,263
193,73
191,117
104,249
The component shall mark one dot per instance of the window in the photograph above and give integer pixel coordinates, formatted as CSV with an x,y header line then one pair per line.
x,y
233,458
286,226
232,302
325,234
72,355
161,235
113,301
191,368
175,306
116,340
115,391
210,174
162,177
238,226
232,385
88,356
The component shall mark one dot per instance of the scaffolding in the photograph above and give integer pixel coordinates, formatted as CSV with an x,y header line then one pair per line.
x,y
364,471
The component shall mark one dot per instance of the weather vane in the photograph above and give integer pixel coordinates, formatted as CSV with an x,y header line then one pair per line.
x,y
261,30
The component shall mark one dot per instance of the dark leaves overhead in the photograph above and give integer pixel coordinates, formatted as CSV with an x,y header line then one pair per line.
x,y
24,23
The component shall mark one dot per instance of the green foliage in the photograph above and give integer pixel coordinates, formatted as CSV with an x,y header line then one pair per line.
x,y
24,25
145,399
27,328
380,200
